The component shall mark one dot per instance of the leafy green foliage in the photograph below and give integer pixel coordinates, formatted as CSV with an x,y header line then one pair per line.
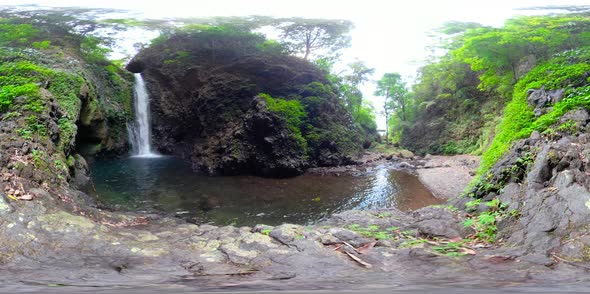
x,y
365,117
92,50
472,205
42,44
34,126
9,92
292,112
347,85
496,53
567,70
451,249
374,231
459,116
17,34
272,47
397,98
485,223
487,69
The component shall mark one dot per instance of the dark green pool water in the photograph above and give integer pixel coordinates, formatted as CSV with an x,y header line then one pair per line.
x,y
168,184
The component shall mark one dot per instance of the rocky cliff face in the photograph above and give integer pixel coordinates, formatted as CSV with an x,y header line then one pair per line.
x,y
544,185
54,109
233,108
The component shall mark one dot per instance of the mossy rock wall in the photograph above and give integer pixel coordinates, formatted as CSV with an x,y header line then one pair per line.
x,y
52,101
232,108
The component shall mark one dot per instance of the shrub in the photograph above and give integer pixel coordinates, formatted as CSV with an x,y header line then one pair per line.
x,y
292,112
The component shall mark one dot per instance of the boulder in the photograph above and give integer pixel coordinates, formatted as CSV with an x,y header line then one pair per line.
x,y
439,222
539,99
406,154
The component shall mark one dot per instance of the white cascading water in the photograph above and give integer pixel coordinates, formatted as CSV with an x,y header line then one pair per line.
x,y
140,134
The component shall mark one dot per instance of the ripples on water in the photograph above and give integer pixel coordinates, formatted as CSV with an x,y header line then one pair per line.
x,y
168,184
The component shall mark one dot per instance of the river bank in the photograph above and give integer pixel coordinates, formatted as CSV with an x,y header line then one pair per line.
x,y
447,176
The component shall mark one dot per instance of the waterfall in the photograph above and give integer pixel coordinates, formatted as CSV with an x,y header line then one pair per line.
x,y
140,132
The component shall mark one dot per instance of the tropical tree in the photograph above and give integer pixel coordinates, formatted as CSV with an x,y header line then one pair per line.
x,y
393,89
359,74
307,36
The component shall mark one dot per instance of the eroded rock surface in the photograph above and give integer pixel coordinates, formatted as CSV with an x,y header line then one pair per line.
x,y
545,185
45,247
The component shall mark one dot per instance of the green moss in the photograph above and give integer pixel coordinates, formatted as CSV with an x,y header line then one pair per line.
x,y
569,127
292,112
71,161
16,34
42,45
66,87
68,130
9,92
40,160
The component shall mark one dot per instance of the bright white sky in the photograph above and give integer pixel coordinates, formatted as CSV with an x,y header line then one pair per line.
x,y
390,36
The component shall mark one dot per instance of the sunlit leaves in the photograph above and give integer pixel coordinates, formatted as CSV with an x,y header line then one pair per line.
x,y
498,53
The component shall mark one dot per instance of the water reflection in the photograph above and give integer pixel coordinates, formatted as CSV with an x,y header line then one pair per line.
x,y
168,184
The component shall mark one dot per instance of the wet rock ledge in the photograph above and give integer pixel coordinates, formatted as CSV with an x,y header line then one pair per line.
x,y
43,245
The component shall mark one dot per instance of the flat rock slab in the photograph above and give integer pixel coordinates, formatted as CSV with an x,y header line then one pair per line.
x,y
447,176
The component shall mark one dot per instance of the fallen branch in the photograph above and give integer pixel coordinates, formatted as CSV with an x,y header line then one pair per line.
x,y
360,261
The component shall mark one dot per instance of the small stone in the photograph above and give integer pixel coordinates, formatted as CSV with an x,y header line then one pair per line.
x,y
287,233
535,136
404,164
26,197
262,229
407,154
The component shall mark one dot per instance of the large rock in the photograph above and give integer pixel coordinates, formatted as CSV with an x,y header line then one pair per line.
x,y
540,99
439,222
547,206
206,107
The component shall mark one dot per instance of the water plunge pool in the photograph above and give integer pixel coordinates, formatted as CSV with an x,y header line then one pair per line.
x,y
167,184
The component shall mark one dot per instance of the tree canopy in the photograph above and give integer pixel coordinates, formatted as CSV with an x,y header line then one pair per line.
x,y
315,36
473,98
393,89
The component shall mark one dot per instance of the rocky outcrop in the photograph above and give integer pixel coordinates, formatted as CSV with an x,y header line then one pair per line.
x,y
206,107
46,123
384,249
540,99
545,185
